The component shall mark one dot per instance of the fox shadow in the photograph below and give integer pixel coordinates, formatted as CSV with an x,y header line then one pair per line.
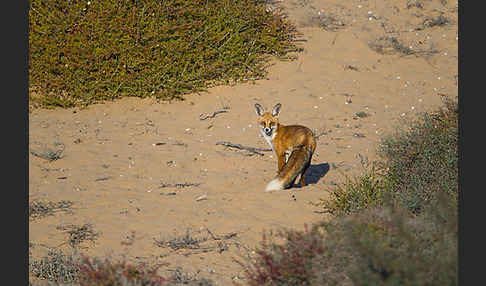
x,y
314,173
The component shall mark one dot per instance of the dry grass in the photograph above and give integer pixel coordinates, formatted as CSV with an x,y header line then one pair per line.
x,y
40,209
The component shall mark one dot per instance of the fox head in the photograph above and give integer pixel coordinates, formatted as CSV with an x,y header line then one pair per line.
x,y
268,121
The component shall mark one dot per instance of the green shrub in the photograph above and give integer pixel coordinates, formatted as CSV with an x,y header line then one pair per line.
x,y
355,194
416,164
377,246
390,246
423,160
82,52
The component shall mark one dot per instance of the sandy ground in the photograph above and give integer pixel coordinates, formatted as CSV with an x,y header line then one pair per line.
x,y
142,171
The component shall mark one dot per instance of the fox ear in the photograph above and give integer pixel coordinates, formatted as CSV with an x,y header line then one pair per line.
x,y
259,109
276,109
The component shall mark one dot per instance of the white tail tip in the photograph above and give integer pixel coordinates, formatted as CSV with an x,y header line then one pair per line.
x,y
274,185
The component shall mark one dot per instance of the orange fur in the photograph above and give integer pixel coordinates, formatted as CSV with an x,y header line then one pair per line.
x,y
297,140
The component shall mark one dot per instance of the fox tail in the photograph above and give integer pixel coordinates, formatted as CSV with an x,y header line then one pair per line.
x,y
299,159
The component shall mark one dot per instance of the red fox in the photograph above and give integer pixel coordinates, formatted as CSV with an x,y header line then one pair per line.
x,y
294,146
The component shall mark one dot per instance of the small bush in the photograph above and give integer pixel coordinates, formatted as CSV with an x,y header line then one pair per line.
x,y
56,267
377,246
367,190
423,160
189,240
78,234
82,52
40,209
105,273
389,246
287,264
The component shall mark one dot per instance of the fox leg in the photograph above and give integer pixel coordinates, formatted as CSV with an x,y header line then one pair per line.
x,y
281,162
302,174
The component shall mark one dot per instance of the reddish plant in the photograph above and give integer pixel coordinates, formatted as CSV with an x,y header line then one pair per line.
x,y
97,272
285,264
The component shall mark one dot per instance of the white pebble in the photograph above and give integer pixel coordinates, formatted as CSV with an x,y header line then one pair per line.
x,y
315,106
413,107
187,129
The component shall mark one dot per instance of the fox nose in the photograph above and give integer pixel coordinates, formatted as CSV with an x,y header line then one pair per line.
x,y
267,130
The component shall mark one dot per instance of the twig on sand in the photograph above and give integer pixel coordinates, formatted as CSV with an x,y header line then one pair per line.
x,y
48,153
218,237
249,149
178,185
206,116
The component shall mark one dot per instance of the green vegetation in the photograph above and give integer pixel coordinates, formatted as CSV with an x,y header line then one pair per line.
x,y
422,161
83,52
397,224
417,163
58,268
